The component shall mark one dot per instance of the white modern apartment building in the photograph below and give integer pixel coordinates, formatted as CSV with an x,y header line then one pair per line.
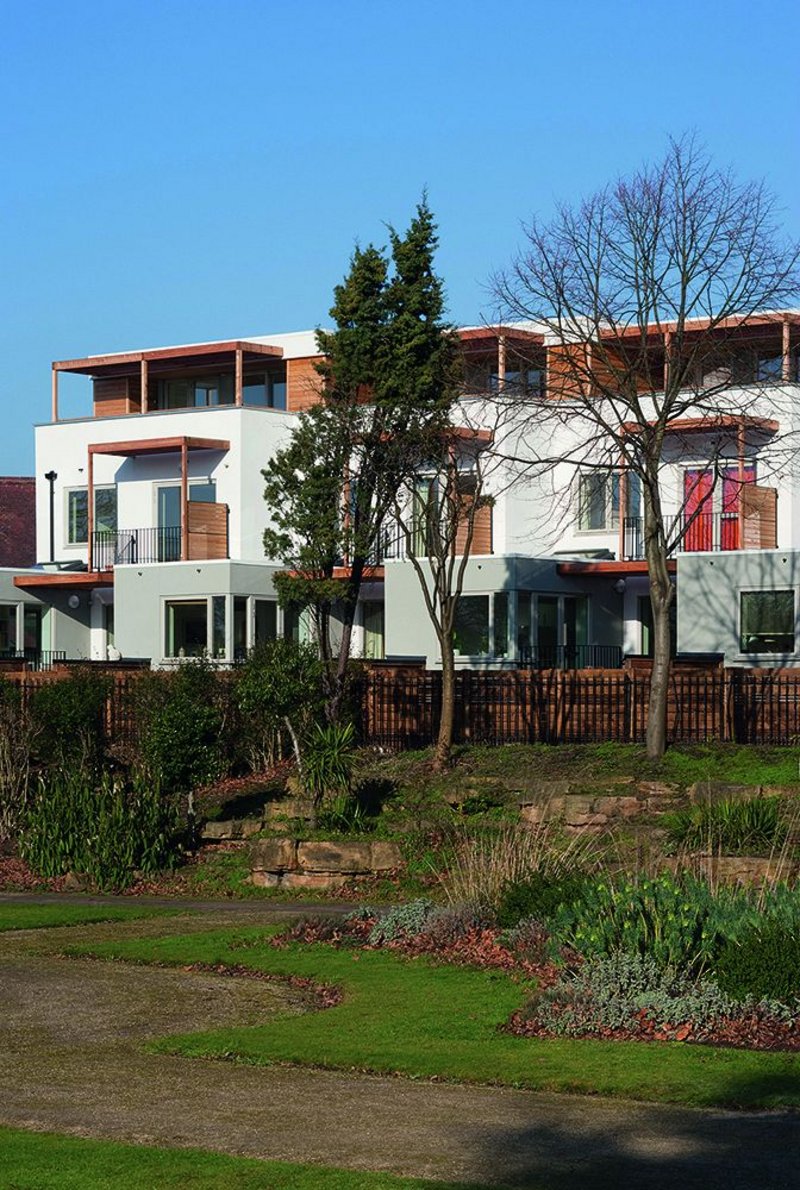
x,y
150,517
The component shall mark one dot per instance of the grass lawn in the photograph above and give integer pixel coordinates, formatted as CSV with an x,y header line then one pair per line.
x,y
515,766
32,917
43,1161
426,1021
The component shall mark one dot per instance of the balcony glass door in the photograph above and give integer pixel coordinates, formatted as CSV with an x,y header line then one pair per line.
x,y
169,523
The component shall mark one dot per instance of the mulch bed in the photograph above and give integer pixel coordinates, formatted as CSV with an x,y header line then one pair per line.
x,y
753,1032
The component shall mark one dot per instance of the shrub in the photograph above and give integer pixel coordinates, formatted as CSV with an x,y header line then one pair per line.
x,y
539,896
403,920
672,921
763,962
279,688
103,830
617,991
17,736
445,926
750,826
530,941
70,718
182,727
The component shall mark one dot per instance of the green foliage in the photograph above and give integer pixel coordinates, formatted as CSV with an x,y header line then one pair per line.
x,y
387,383
280,682
736,826
539,895
328,756
403,920
182,722
763,962
102,830
615,991
671,921
70,719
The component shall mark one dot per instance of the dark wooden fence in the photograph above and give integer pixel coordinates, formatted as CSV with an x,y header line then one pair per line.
x,y
400,706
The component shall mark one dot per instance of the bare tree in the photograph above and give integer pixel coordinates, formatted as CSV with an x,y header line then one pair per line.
x,y
653,296
444,517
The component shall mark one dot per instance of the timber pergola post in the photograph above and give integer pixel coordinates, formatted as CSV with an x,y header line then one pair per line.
x,y
90,508
184,501
54,394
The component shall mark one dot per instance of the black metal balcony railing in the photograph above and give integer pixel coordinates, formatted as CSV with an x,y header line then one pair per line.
x,y
37,659
572,657
704,531
136,546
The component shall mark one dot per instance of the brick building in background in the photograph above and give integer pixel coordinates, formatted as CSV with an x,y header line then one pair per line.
x,y
17,520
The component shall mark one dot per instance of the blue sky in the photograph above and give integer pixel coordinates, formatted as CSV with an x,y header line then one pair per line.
x,y
180,171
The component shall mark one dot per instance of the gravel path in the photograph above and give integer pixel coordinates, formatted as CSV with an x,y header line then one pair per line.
x,y
71,1061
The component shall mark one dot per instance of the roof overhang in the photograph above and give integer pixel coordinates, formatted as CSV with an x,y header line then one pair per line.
x,y
706,425
157,446
613,569
192,354
79,580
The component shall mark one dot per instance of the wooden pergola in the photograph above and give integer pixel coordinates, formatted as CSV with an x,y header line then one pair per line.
x,y
164,360
151,446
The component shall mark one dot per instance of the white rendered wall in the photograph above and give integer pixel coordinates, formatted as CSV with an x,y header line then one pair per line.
x,y
254,435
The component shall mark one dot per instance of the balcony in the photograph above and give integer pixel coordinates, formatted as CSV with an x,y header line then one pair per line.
x,y
572,657
206,540
700,532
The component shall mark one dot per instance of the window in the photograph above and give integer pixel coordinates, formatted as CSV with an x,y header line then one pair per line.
x,y
186,628
500,624
471,630
105,513
218,625
199,393
266,620
8,628
373,629
598,500
267,389
767,622
239,627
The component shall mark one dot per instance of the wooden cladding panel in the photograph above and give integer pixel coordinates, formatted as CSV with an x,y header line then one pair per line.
x,y
208,531
115,396
760,518
566,367
303,383
481,533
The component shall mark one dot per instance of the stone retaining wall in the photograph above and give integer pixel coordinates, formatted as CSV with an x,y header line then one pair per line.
x,y
287,863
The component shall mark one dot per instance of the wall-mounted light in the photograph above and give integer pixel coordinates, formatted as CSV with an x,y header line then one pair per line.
x,y
619,586
74,601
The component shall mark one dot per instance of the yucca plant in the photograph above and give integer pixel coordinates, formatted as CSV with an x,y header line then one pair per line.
x,y
748,826
328,758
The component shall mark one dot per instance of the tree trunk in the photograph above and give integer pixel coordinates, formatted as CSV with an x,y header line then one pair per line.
x,y
659,680
444,742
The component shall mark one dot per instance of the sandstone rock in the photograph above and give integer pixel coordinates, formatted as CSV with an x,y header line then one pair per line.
x,y
273,855
288,807
313,880
618,807
264,879
213,832
721,791
385,856
74,882
334,857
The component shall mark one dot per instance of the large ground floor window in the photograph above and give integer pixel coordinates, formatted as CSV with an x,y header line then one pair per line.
x,y
552,630
8,628
481,625
767,622
202,626
186,628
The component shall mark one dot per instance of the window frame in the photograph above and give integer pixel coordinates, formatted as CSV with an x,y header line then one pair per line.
x,y
765,652
76,490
